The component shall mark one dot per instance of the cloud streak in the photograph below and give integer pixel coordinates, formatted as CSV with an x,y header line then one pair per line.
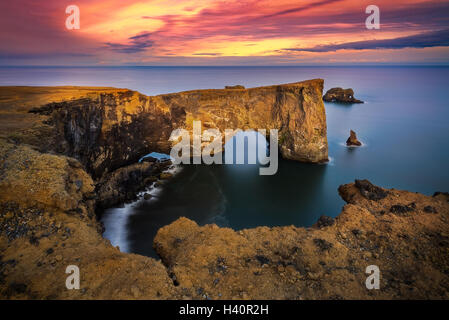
x,y
138,43
423,40
300,9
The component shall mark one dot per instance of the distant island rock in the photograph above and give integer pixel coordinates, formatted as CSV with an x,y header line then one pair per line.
x,y
341,95
352,140
235,87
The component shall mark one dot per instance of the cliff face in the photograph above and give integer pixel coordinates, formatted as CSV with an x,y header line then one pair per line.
x,y
107,129
47,200
296,110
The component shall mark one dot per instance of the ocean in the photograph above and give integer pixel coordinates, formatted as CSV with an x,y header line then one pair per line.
x,y
403,124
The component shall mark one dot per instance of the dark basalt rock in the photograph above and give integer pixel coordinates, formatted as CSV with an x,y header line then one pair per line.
x,y
370,191
235,87
262,259
325,221
341,95
123,184
352,140
430,209
402,210
441,195
322,244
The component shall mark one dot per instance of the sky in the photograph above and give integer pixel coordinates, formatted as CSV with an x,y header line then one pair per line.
x,y
216,32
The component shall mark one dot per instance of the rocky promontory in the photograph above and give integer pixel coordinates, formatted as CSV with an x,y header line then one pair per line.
x,y
107,128
65,150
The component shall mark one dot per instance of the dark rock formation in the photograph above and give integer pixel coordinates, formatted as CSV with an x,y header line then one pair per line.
x,y
441,195
340,95
430,209
325,221
402,210
352,140
235,87
366,189
122,184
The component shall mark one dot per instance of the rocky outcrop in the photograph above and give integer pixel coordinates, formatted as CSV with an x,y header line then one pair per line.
x,y
47,199
325,262
47,222
340,95
109,128
123,184
352,140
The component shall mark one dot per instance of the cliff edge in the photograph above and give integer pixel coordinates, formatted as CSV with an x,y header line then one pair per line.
x,y
107,128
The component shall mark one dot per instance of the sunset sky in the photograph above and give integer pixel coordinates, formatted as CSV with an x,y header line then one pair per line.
x,y
232,32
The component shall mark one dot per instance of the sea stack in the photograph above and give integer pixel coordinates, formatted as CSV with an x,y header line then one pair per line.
x,y
341,95
352,140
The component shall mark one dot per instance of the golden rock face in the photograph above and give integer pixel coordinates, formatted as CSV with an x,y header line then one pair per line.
x,y
106,128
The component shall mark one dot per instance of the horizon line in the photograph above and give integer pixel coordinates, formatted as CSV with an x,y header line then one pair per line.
x,y
446,64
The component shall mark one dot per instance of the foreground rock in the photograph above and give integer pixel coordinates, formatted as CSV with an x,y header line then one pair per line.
x,y
326,262
352,140
47,222
406,234
340,95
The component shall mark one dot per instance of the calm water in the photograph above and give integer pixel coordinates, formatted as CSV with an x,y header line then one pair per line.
x,y
404,126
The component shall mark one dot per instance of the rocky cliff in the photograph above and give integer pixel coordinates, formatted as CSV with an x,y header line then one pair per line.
x,y
108,128
58,145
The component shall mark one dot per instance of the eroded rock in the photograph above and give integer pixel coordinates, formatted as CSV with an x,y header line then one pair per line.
x,y
293,263
340,95
123,184
106,129
352,140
